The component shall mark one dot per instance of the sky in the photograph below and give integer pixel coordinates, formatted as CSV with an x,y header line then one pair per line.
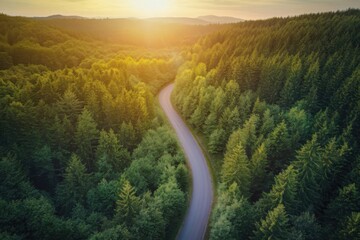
x,y
245,9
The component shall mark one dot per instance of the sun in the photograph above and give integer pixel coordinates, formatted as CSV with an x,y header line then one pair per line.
x,y
151,7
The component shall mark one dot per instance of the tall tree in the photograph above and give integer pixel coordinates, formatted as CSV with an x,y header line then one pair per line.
x,y
75,185
236,169
128,204
274,226
86,137
110,149
308,164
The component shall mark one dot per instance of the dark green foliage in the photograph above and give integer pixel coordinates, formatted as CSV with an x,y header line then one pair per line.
x,y
182,177
284,191
171,202
236,169
279,98
63,94
350,229
75,185
217,141
306,227
110,151
233,217
103,197
14,184
292,102
86,136
128,204
274,226
118,232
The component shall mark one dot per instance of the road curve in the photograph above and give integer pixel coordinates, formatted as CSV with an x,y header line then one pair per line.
x,y
197,217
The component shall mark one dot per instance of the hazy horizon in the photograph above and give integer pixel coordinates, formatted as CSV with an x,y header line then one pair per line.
x,y
243,9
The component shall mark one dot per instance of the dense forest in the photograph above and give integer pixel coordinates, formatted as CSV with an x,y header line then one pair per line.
x,y
278,104
85,152
135,32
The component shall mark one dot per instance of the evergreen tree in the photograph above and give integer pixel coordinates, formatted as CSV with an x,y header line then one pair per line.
x,y
351,229
217,141
128,204
86,137
274,226
258,170
284,191
233,217
110,149
236,169
308,167
75,185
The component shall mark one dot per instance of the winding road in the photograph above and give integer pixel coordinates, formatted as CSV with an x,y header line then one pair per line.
x,y
197,217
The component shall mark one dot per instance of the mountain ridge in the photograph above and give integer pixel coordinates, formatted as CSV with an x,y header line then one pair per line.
x,y
201,20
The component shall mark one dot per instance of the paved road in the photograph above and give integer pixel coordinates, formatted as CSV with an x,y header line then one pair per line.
x,y
197,217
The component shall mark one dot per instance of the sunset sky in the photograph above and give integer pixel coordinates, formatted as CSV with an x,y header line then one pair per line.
x,y
246,9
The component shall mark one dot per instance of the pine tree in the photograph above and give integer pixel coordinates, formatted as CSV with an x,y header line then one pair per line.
x,y
69,105
236,169
110,149
217,141
86,137
258,169
274,226
308,165
233,216
284,191
351,227
75,185
278,147
128,204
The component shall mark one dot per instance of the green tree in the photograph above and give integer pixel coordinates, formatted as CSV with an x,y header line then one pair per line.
x,y
110,149
127,136
284,190
308,164
278,147
150,223
128,204
274,226
117,232
182,177
14,184
103,197
306,226
171,202
346,202
217,141
236,169
351,229
258,170
43,168
75,185
69,105
86,137
233,216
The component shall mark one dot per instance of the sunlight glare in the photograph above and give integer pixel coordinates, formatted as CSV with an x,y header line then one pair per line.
x,y
151,7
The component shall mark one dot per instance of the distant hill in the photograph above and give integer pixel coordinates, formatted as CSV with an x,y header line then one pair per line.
x,y
131,31
202,20
179,20
58,16
220,19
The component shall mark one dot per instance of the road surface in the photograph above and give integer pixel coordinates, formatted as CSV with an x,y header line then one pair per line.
x,y
197,217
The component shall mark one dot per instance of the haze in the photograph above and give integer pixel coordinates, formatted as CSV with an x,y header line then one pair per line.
x,y
245,9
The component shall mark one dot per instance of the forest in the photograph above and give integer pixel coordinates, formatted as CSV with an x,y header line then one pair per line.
x,y
86,152
277,102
